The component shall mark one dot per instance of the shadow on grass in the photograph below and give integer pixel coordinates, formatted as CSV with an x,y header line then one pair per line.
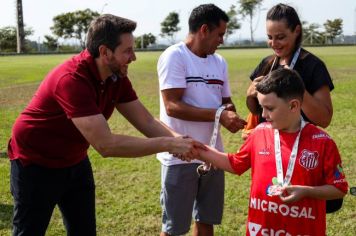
x,y
6,216
3,154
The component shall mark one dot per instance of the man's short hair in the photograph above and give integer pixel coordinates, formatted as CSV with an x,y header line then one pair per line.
x,y
285,83
208,14
106,30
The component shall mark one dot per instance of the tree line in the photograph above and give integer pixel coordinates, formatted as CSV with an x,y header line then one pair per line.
x,y
74,25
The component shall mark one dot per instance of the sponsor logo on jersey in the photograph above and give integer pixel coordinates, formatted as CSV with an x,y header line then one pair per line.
x,y
339,175
264,152
282,209
309,160
339,172
320,136
254,228
264,125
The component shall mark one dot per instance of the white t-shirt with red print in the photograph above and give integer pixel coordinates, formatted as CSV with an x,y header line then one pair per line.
x,y
205,83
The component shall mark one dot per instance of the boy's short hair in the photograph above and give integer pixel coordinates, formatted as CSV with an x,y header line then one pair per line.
x,y
206,14
106,30
285,83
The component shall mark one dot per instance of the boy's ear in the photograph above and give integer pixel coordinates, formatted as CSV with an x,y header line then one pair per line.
x,y
294,105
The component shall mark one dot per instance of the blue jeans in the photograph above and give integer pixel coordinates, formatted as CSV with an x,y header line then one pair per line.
x,y
37,190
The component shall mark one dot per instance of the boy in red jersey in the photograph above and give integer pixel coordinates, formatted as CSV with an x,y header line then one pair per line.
x,y
295,166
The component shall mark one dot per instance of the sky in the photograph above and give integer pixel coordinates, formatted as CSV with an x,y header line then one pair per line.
x,y
149,14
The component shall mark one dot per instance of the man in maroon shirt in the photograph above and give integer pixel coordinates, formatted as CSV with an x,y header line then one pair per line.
x,y
69,112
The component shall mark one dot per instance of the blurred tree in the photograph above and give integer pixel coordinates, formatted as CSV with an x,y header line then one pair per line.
x,y
73,25
8,38
170,26
144,40
233,24
248,8
333,28
312,34
51,42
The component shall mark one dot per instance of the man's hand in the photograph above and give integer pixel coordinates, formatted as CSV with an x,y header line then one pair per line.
x,y
186,148
231,121
230,107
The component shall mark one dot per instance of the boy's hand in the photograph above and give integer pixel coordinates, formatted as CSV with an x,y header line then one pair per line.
x,y
293,193
186,148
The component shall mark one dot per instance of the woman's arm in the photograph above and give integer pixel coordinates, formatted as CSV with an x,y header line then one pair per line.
x,y
318,107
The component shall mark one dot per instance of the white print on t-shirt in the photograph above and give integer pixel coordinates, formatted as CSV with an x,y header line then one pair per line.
x,y
254,228
321,135
309,159
264,152
283,209
339,181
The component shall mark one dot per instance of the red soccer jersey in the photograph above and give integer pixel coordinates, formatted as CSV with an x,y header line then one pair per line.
x,y
318,163
44,133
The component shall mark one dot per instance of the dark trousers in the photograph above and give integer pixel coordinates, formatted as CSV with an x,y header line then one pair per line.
x,y
37,190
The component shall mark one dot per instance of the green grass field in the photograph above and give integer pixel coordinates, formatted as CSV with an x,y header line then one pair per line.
x,y
127,191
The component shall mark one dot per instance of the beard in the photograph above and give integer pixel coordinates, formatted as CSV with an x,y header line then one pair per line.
x,y
117,70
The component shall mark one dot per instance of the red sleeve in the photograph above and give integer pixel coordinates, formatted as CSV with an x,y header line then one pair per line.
x,y
126,92
76,96
241,161
334,174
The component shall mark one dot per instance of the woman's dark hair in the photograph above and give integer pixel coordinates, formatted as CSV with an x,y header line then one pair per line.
x,y
289,15
206,14
285,83
283,12
106,30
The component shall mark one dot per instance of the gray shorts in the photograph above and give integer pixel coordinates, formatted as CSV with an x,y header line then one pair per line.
x,y
185,195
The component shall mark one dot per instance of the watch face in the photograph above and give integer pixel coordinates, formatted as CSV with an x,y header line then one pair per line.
x,y
353,191
203,169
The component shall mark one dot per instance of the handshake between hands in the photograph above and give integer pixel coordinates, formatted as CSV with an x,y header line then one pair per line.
x,y
190,149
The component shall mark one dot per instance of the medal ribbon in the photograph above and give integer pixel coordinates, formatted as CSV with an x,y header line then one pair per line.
x,y
292,158
214,135
206,166
294,60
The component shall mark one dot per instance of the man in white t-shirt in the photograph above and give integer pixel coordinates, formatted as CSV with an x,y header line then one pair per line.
x,y
194,84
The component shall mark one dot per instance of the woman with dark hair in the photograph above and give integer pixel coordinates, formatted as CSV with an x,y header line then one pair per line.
x,y
284,32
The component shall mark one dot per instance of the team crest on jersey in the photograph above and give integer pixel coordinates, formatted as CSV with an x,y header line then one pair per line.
x,y
309,160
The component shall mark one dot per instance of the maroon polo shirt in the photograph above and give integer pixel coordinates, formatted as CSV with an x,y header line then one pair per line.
x,y
44,132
